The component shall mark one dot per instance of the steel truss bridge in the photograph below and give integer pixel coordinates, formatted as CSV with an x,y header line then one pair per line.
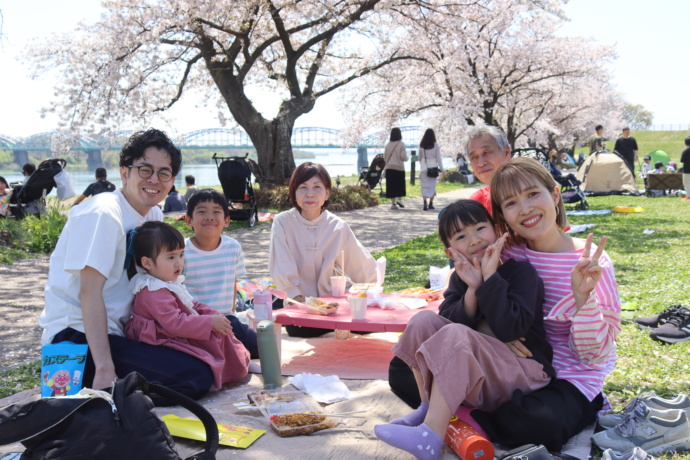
x,y
47,143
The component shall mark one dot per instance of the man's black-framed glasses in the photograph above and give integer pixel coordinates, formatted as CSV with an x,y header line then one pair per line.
x,y
146,171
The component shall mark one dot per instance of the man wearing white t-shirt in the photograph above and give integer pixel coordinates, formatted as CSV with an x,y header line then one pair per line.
x,y
87,297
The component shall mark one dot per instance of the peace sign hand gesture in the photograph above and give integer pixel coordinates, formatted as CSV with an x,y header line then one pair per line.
x,y
492,257
469,272
587,271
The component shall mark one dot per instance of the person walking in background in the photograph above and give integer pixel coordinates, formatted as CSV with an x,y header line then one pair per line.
x,y
174,202
191,187
430,166
685,159
101,185
627,147
395,155
596,140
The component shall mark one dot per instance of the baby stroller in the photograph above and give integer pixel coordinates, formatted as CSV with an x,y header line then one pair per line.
x,y
570,186
536,154
571,191
235,174
371,176
29,197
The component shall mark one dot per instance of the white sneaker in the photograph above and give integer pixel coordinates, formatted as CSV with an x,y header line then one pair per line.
x,y
635,454
254,367
652,401
656,431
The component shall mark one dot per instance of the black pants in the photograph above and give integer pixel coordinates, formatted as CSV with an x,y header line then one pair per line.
x,y
402,382
244,334
549,416
174,369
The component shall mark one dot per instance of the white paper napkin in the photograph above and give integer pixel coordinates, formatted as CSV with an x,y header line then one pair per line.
x,y
327,390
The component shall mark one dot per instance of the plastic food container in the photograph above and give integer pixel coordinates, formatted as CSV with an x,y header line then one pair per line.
x,y
421,293
320,307
359,287
292,413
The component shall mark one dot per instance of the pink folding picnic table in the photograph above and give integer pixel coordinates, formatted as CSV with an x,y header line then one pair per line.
x,y
377,320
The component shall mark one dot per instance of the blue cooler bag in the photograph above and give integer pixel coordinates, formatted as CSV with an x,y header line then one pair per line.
x,y
62,368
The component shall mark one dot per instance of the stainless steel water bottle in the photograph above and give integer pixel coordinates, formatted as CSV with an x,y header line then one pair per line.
x,y
268,355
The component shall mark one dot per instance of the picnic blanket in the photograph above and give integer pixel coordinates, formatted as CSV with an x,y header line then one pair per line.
x,y
359,357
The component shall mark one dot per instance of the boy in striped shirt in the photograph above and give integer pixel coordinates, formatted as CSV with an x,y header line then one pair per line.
x,y
213,261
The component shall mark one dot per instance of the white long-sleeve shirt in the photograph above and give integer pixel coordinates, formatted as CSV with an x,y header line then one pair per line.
x,y
304,253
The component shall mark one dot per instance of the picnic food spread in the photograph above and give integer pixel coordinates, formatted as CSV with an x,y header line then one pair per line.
x,y
292,413
297,424
321,307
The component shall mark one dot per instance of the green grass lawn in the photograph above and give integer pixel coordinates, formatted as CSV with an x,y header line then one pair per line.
x,y
671,142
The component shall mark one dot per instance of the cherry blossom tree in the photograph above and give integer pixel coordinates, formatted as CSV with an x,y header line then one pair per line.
x,y
143,56
499,63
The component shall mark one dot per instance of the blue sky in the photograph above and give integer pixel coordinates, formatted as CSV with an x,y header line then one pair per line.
x,y
651,40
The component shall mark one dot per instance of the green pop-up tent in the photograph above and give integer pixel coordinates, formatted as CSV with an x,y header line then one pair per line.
x,y
660,155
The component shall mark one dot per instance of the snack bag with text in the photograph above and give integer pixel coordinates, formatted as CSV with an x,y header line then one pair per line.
x,y
62,368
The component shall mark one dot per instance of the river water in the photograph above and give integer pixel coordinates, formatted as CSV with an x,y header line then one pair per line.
x,y
337,162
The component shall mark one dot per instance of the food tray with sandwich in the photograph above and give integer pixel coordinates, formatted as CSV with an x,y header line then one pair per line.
x,y
421,293
292,413
318,306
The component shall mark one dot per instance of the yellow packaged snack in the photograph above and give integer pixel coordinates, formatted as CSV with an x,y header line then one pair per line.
x,y
233,436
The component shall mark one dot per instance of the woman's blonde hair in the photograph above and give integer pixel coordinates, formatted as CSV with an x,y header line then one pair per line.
x,y
513,177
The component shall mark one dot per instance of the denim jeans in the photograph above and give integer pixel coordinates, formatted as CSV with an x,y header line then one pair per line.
x,y
171,368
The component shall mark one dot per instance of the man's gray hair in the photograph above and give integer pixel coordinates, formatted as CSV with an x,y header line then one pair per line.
x,y
479,130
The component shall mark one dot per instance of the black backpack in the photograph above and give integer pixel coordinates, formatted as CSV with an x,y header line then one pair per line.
x,y
124,427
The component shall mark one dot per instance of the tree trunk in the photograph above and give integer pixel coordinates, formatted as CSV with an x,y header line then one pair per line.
x,y
272,140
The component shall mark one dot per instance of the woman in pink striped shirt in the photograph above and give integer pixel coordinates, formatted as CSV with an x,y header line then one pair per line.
x,y
581,310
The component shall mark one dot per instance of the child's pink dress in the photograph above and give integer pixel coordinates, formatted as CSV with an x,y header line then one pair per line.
x,y
166,314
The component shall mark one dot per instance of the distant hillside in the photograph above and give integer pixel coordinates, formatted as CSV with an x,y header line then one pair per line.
x,y
671,142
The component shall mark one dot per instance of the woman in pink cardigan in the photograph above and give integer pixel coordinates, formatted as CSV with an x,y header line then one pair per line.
x,y
164,313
